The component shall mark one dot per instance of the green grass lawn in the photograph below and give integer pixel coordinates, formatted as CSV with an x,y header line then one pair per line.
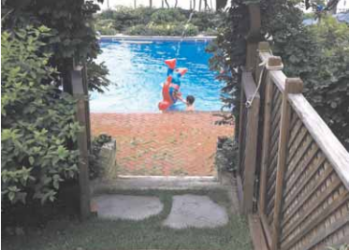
x,y
100,234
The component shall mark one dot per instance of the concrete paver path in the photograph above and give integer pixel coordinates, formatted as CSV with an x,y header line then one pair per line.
x,y
186,211
195,211
127,206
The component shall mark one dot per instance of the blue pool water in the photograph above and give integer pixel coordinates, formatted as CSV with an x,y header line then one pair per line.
x,y
139,70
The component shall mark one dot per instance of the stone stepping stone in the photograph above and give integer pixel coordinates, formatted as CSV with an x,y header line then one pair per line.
x,y
195,211
127,207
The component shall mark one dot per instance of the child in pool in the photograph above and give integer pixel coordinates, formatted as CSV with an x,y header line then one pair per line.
x,y
190,103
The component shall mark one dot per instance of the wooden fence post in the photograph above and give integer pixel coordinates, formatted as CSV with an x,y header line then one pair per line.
x,y
87,106
266,142
292,86
250,149
262,47
84,187
253,36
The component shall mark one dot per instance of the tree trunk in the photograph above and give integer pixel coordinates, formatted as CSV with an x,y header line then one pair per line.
x,y
176,4
162,3
150,3
206,5
168,6
194,4
135,3
333,11
200,3
191,5
332,6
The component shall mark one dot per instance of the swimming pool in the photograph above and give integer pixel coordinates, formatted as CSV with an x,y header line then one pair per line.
x,y
138,69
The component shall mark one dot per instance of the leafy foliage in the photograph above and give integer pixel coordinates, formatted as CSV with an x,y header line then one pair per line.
x,y
163,30
148,21
73,37
97,74
328,87
317,54
166,16
227,155
123,17
105,26
229,52
94,161
37,120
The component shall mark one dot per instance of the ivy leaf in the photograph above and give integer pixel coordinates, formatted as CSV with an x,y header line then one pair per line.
x,y
31,160
11,196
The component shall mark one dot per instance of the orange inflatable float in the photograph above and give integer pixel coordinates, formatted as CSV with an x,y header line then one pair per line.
x,y
172,85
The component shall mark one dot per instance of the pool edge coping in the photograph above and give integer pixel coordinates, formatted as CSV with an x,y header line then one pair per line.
x,y
156,38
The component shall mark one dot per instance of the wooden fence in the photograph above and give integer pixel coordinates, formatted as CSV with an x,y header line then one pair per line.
x,y
303,198
248,140
79,85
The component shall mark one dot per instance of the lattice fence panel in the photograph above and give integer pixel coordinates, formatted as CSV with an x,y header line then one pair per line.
x,y
315,209
273,154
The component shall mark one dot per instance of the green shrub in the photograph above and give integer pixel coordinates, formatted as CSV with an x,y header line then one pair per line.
x,y
37,120
95,167
144,14
327,88
124,17
319,54
204,20
227,155
105,26
107,14
175,29
191,30
161,22
71,23
97,76
164,16
210,32
139,29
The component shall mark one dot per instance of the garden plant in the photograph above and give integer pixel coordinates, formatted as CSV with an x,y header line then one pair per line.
x,y
318,54
42,41
155,22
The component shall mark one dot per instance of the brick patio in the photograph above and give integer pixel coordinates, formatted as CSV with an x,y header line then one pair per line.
x,y
176,143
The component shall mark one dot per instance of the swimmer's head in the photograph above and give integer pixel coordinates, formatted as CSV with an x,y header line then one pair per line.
x,y
190,99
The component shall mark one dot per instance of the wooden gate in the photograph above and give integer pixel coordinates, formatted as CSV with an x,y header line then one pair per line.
x,y
303,201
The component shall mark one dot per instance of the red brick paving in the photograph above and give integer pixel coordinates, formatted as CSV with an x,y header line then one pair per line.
x,y
176,143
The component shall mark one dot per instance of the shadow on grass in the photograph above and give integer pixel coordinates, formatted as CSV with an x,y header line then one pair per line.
x,y
100,234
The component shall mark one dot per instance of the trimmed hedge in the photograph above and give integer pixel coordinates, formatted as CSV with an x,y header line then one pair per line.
x,y
155,22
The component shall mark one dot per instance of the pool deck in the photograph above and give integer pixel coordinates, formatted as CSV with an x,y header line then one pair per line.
x,y
176,143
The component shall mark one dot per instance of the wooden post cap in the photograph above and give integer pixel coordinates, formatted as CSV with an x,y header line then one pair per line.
x,y
274,63
264,47
294,85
